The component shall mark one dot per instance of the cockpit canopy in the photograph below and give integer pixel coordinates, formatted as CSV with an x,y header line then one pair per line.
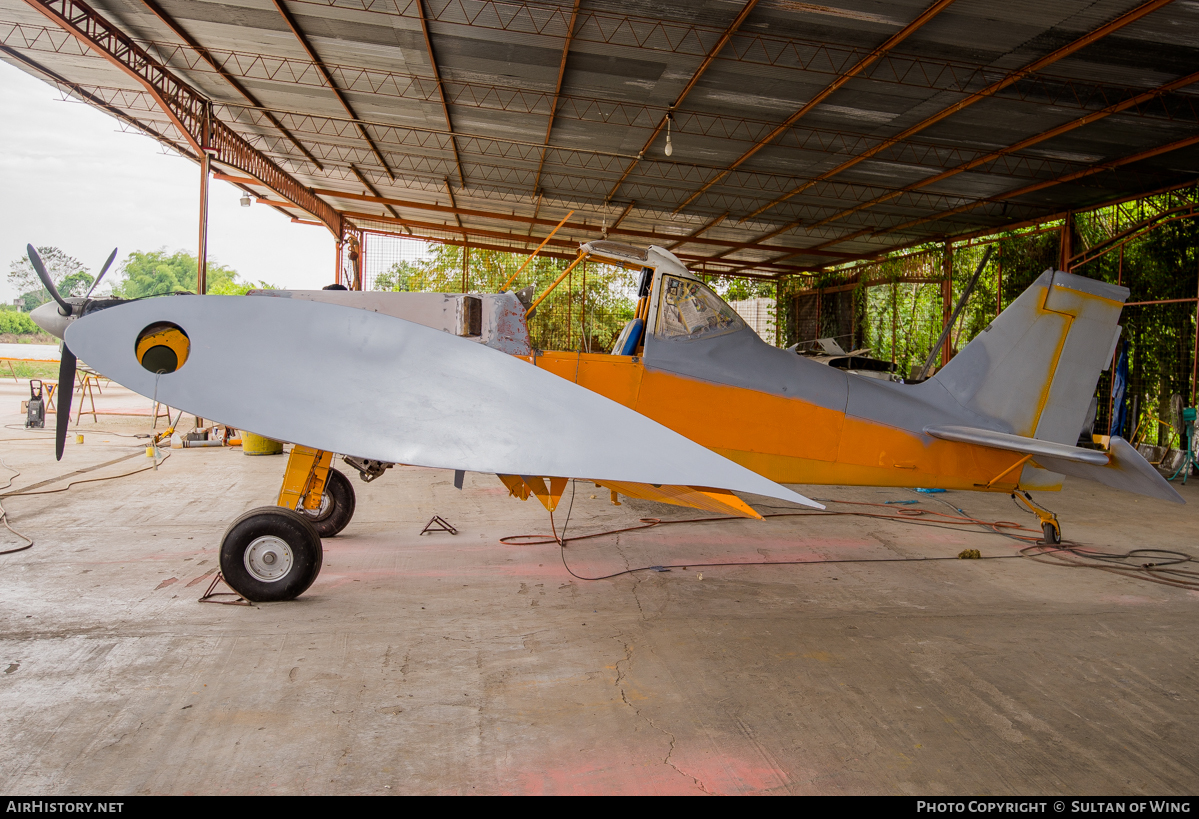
x,y
687,309
672,303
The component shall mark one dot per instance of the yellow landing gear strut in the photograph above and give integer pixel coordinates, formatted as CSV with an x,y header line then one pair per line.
x,y
312,487
1049,523
274,553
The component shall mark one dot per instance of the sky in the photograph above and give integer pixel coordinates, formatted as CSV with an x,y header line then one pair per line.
x,y
70,178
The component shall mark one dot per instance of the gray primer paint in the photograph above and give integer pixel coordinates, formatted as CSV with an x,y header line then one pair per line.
x,y
1128,471
394,391
504,326
741,359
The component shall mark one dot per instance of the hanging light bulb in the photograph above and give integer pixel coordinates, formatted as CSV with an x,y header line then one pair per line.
x,y
669,147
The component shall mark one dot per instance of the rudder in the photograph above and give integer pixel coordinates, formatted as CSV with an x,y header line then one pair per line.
x,y
1035,367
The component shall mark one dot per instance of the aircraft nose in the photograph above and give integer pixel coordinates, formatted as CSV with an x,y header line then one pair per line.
x,y
50,319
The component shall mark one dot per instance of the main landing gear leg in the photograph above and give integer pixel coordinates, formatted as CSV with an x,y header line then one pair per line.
x,y
317,491
1050,527
274,552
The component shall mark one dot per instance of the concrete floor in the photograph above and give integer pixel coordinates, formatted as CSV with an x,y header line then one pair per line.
x,y
445,664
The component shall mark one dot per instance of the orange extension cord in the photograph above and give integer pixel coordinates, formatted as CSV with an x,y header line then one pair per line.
x,y
1153,565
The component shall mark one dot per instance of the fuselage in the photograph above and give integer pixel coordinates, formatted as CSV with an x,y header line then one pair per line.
x,y
790,419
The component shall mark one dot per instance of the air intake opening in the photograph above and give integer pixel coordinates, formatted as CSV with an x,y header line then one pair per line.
x,y
162,347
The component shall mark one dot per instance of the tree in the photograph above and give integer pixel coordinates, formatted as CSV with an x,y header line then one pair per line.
x,y
154,273
587,311
68,274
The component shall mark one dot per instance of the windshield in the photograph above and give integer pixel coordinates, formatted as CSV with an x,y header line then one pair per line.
x,y
690,310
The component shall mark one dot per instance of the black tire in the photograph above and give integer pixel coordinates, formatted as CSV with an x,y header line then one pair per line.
x,y
267,540
1052,535
337,506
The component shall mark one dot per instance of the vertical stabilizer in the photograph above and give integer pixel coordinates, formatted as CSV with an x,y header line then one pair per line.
x,y
1036,366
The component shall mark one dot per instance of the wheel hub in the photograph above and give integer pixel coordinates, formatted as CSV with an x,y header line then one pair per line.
x,y
319,513
268,559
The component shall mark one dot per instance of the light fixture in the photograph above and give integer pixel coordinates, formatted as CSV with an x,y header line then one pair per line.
x,y
669,147
245,200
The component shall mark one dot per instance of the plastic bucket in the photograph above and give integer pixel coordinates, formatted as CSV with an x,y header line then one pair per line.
x,y
252,444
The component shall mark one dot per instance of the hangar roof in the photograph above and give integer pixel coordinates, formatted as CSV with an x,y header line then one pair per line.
x,y
803,135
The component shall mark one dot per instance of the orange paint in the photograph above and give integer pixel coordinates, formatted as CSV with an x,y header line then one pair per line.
x,y
788,440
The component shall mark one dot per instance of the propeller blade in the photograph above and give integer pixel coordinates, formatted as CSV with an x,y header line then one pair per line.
x,y
66,389
103,270
47,282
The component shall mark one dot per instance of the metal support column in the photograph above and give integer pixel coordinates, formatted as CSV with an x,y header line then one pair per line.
x,y
946,298
362,269
1067,242
202,254
1195,355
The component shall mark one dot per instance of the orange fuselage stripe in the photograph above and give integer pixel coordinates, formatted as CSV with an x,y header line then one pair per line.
x,y
788,440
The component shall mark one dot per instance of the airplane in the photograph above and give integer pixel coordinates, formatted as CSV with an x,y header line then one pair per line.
x,y
689,408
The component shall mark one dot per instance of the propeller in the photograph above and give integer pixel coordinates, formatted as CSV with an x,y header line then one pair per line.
x,y
66,379
68,362
63,306
103,270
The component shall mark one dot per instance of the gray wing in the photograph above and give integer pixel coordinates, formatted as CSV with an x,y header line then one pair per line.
x,y
376,386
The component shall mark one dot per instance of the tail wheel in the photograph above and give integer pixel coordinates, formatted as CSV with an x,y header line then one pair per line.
x,y
271,554
337,506
1053,535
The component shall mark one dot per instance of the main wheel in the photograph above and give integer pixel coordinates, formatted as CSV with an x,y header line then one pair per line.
x,y
270,554
337,506
1053,535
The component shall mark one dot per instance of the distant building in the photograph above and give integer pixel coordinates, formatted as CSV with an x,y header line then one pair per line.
x,y
759,315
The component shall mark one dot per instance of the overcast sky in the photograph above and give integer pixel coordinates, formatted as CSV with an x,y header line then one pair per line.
x,y
70,178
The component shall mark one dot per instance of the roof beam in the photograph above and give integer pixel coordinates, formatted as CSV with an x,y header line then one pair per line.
x,y
570,33
991,90
511,217
695,233
445,109
862,64
518,239
366,183
1036,186
770,234
536,212
628,209
1095,116
187,109
207,57
1013,194
699,71
985,235
324,71
453,208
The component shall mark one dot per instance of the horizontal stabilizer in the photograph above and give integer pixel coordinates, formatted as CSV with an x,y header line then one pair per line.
x,y
1018,443
1127,470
